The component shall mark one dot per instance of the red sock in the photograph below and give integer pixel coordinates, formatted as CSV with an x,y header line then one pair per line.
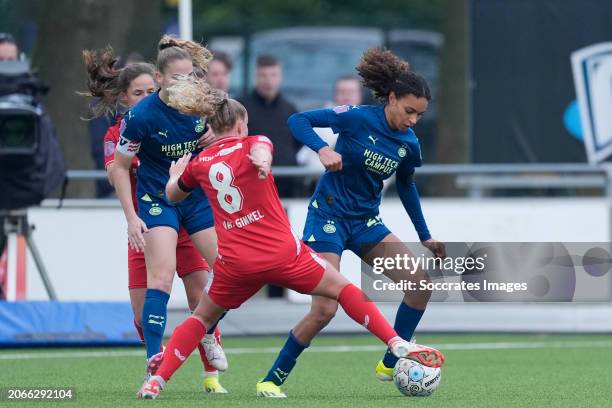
x,y
207,367
139,330
184,340
218,335
362,310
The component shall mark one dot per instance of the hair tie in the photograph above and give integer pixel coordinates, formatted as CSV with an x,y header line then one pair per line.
x,y
166,45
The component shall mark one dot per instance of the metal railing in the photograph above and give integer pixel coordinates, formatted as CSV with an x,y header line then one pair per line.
x,y
476,179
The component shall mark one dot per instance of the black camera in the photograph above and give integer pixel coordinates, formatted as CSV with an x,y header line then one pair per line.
x,y
31,159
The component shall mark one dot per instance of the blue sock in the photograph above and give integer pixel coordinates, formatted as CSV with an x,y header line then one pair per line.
x,y
154,319
286,360
406,321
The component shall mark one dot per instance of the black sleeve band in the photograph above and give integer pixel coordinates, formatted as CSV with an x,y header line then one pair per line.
x,y
183,187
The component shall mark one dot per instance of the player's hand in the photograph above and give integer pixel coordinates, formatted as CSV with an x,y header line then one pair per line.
x,y
177,167
206,139
331,160
136,228
263,166
437,247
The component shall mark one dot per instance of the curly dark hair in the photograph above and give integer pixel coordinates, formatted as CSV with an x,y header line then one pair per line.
x,y
106,81
384,72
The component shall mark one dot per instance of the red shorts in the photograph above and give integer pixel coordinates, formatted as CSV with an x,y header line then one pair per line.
x,y
188,260
231,286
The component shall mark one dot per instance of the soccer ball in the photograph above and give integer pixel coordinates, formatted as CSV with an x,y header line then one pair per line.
x,y
415,380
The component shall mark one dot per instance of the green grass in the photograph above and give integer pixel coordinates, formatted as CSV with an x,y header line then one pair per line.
x,y
571,376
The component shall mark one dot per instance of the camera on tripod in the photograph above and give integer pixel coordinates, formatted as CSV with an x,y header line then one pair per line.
x,y
31,160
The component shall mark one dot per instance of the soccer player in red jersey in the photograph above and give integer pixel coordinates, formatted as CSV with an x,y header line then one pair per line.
x,y
128,86
256,243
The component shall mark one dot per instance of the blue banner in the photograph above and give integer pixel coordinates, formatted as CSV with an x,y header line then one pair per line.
x,y
26,324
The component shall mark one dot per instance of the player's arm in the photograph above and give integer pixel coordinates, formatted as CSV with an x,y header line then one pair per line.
x,y
179,185
302,124
260,156
124,154
409,196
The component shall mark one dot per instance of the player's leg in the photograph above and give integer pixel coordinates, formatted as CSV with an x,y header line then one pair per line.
x,y
137,297
322,310
326,237
161,264
137,286
205,242
184,340
363,311
194,283
197,219
228,291
413,305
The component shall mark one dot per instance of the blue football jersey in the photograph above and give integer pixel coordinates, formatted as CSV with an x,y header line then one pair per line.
x,y
158,134
371,152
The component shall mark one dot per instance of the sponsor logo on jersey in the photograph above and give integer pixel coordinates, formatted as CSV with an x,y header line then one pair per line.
x,y
401,152
155,209
199,127
179,149
122,126
109,148
164,133
329,228
379,163
373,139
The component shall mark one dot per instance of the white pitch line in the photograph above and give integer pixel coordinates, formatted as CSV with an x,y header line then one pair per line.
x,y
324,349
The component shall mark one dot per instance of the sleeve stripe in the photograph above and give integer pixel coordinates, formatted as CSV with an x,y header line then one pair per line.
x,y
183,187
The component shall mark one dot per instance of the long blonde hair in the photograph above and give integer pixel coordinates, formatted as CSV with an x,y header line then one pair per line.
x,y
193,96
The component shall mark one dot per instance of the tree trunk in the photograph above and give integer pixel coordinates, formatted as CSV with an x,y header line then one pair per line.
x,y
452,137
66,28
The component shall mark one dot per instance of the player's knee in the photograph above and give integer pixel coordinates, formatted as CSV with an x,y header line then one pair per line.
x,y
160,281
322,314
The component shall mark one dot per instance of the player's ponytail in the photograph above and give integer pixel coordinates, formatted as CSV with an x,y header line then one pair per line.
x,y
172,49
106,81
384,72
195,97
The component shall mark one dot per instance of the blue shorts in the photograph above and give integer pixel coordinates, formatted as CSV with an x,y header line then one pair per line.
x,y
195,213
325,233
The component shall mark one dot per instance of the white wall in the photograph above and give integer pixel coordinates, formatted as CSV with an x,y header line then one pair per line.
x,y
85,248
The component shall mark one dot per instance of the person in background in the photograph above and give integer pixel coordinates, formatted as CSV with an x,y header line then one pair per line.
x,y
269,112
219,71
347,91
8,48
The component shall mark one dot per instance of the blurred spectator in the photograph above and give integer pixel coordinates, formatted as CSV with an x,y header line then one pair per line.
x,y
8,48
347,91
97,130
219,71
268,113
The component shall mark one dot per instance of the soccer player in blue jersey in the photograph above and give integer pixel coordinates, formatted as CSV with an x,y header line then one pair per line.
x,y
159,134
374,143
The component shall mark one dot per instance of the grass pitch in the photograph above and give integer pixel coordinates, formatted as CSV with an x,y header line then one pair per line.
x,y
481,371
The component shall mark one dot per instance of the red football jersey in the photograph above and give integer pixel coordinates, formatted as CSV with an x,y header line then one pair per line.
x,y
252,228
111,138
